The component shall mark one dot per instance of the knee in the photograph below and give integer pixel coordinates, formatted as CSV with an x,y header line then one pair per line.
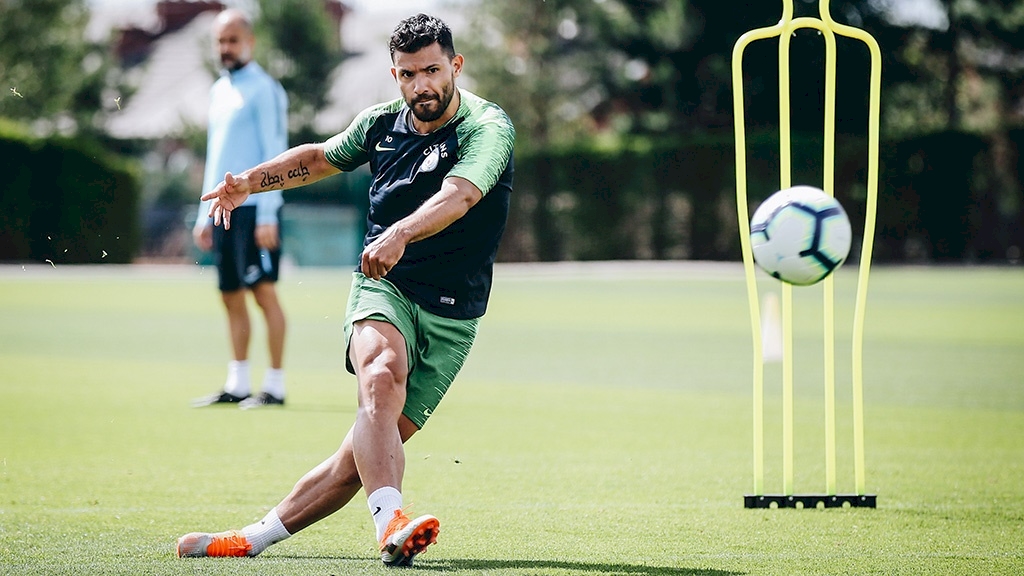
x,y
234,300
383,387
265,295
383,376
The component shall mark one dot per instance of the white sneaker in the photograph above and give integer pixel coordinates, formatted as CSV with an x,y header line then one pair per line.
x,y
260,400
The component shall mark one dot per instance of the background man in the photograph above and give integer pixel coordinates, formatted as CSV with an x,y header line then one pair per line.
x,y
247,125
441,159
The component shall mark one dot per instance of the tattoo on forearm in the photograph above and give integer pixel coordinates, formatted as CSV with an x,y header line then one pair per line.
x,y
300,172
270,180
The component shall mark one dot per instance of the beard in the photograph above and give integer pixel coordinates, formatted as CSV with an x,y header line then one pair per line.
x,y
431,113
230,63
234,62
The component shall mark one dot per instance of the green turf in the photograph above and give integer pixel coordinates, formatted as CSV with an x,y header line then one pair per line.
x,y
601,426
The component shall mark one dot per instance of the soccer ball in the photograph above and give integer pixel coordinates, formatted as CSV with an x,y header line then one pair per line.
x,y
800,235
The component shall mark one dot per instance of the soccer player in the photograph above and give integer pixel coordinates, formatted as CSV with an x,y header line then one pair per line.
x,y
247,125
441,159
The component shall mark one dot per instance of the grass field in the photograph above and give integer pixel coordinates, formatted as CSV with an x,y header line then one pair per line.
x,y
601,426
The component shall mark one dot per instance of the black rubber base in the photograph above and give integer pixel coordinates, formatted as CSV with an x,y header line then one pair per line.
x,y
810,501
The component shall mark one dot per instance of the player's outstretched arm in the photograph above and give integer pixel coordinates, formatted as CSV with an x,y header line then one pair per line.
x,y
292,168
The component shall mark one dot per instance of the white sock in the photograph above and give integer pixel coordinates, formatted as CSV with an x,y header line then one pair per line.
x,y
383,503
262,534
238,378
273,382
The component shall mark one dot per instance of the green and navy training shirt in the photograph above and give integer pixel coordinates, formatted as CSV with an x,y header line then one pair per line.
x,y
448,274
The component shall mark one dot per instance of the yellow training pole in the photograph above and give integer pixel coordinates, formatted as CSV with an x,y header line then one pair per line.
x,y
784,29
828,164
864,270
744,224
785,181
828,286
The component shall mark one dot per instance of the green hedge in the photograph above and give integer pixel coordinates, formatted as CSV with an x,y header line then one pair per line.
x,y
65,201
944,197
939,197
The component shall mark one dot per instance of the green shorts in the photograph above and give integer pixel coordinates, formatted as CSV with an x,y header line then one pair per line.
x,y
436,346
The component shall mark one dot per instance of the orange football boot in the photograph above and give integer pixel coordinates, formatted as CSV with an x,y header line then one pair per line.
x,y
404,539
200,544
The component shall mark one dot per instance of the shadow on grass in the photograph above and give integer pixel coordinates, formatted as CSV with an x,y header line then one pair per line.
x,y
536,566
523,566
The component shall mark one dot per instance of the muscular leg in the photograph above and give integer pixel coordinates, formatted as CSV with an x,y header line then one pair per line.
x,y
371,455
266,298
377,351
327,488
238,322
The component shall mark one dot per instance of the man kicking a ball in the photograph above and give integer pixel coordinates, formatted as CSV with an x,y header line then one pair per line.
x,y
441,159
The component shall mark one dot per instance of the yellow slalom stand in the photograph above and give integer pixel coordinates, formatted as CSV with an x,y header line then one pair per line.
x,y
783,30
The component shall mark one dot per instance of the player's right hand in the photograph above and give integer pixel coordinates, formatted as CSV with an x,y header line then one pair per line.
x,y
381,255
228,195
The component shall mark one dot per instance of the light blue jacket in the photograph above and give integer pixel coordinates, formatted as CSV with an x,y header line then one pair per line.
x,y
248,124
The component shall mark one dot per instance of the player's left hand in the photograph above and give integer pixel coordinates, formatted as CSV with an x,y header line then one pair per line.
x,y
228,195
382,254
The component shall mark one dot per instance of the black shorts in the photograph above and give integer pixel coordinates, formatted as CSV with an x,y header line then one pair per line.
x,y
240,263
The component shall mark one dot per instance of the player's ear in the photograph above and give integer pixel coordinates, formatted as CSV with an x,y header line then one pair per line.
x,y
394,73
457,62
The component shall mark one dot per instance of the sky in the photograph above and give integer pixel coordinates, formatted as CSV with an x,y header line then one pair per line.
x,y
926,12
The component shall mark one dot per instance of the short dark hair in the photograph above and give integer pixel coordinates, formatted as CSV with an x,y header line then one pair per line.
x,y
417,32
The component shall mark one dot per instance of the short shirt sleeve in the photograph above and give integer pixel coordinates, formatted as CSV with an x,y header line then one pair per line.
x,y
347,151
485,146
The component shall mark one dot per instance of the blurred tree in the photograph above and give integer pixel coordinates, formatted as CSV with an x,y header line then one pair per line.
x,y
526,56
966,73
620,73
663,66
963,71
53,77
654,67
301,48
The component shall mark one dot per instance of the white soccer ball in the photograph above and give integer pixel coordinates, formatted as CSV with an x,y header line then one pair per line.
x,y
800,235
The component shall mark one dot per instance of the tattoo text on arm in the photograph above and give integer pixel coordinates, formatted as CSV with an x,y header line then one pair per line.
x,y
270,181
300,172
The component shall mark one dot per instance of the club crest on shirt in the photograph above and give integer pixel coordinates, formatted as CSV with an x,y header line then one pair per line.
x,y
432,156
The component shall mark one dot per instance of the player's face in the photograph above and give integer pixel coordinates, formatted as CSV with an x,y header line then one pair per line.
x,y
234,44
427,80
